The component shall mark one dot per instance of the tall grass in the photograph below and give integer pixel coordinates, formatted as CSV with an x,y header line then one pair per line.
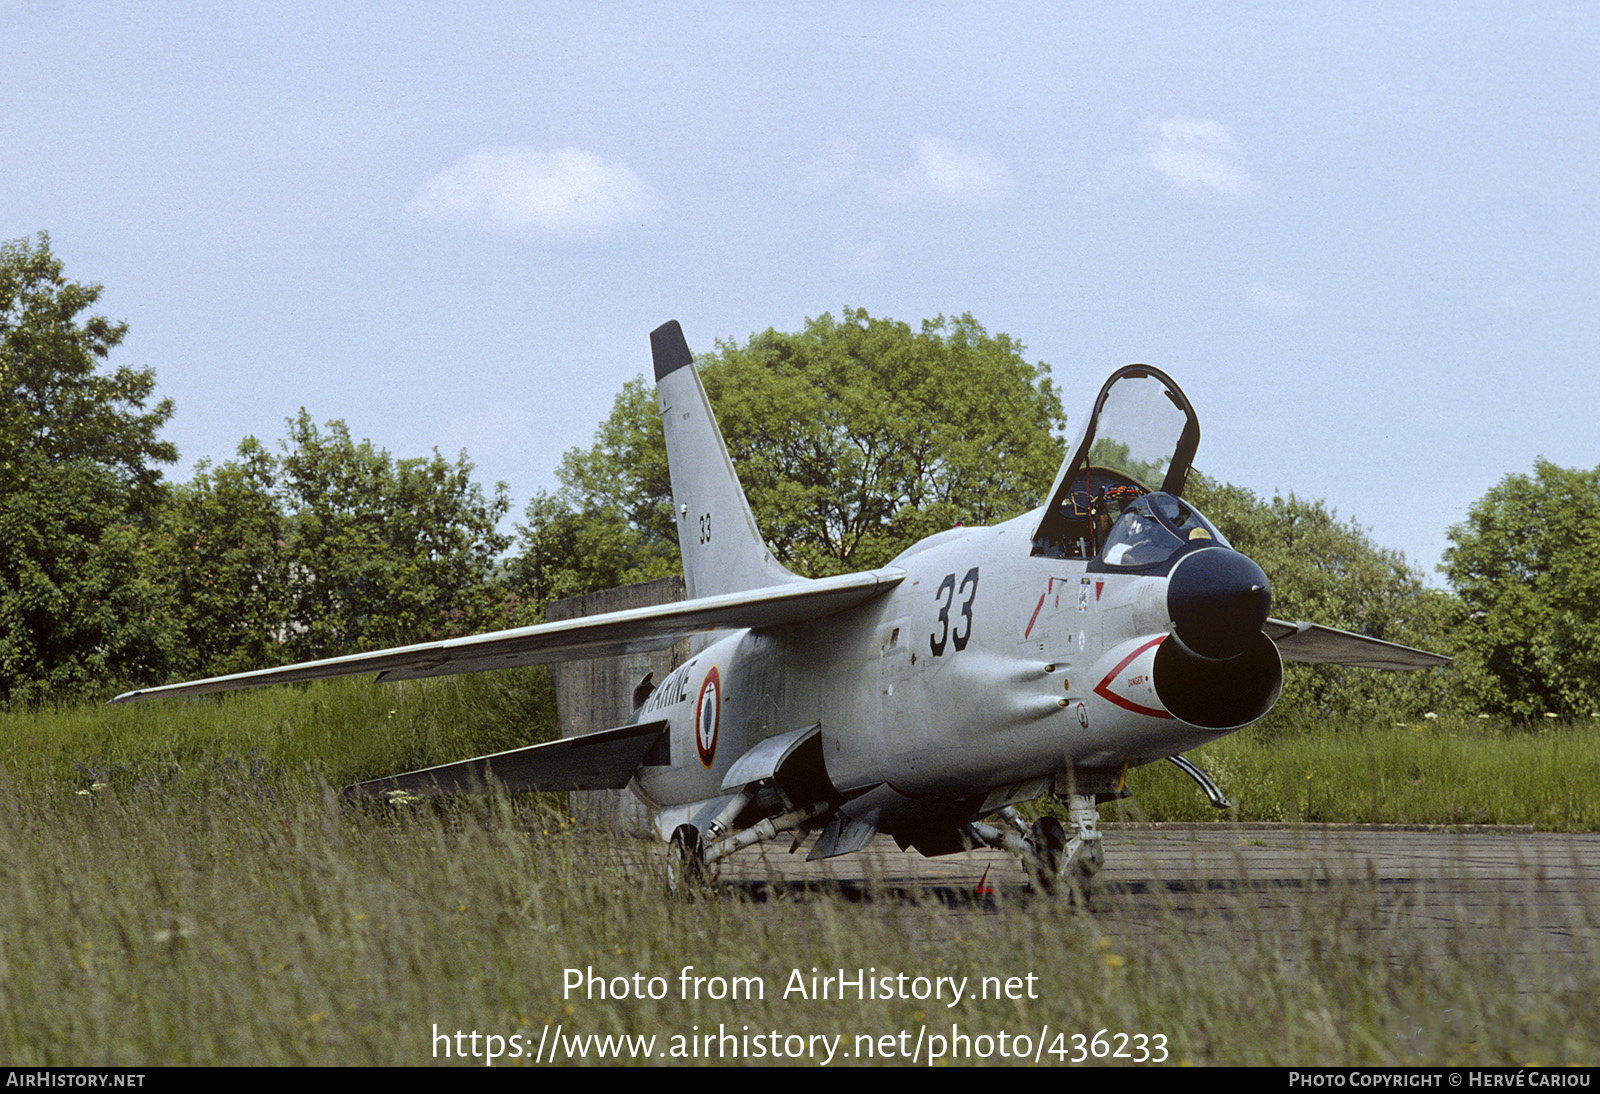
x,y
1433,771
1446,770
342,730
225,918
181,884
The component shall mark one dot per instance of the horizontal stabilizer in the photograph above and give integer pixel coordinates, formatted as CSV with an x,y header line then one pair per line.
x,y
594,761
629,631
1319,645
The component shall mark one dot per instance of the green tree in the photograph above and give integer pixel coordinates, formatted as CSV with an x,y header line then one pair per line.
x,y
77,615
853,439
222,555
566,551
383,550
58,403
1524,565
1329,571
78,490
332,547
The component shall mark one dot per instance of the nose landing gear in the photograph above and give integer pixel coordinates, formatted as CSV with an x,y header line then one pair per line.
x,y
1058,858
1059,862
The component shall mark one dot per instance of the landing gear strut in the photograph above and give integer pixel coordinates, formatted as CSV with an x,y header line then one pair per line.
x,y
689,856
1047,851
1078,857
1057,857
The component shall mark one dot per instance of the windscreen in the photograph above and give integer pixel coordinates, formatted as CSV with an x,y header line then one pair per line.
x,y
1153,529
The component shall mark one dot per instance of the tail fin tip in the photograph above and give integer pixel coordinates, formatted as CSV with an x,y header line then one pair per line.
x,y
668,349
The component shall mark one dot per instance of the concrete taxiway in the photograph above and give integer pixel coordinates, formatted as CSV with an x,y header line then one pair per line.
x,y
1544,887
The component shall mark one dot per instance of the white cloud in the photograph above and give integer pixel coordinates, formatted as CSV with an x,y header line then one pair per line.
x,y
566,191
944,172
1275,300
1197,152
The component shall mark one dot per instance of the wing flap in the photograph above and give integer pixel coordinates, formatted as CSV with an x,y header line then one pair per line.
x,y
634,629
1318,645
593,761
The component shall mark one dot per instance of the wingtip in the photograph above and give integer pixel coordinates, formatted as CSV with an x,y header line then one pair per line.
x,y
669,349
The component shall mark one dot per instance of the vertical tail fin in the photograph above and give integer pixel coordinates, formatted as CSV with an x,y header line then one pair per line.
x,y
723,551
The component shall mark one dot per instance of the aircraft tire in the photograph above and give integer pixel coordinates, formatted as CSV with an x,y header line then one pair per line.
x,y
1049,842
686,860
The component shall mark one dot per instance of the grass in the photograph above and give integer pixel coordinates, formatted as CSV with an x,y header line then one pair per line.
x,y
180,884
1434,771
1446,770
341,730
229,919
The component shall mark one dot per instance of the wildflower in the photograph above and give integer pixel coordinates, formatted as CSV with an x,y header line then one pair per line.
x,y
178,929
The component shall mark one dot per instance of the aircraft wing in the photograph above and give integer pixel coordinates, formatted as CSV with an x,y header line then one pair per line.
x,y
1319,645
628,631
591,761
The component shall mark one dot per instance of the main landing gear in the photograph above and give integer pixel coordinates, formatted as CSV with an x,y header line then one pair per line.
x,y
1058,857
688,856
686,860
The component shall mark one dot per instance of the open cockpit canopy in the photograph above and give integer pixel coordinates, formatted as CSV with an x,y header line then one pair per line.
x,y
1139,439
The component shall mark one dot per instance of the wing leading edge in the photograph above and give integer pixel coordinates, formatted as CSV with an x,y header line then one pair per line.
x,y
633,630
1319,645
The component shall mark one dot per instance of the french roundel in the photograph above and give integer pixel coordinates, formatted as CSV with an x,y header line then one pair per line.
x,y
708,716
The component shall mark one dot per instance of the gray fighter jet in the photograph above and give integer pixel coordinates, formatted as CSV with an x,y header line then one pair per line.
x,y
984,667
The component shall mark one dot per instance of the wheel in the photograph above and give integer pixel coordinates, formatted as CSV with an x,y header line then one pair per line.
x,y
1049,843
686,860
1080,872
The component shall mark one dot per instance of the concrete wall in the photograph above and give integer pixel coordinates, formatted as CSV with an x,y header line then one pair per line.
x,y
598,693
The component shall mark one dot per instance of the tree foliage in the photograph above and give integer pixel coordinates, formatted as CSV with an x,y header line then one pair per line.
x,y
853,439
332,547
222,556
78,488
383,550
77,613
571,545
1329,571
1524,565
59,404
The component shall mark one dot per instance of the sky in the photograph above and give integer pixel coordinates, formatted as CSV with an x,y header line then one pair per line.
x,y
1365,239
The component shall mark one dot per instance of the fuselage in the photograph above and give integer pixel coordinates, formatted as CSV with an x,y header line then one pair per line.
x,y
987,672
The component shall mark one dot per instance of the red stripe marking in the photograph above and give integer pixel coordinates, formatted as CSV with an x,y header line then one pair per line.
x,y
1035,614
1103,689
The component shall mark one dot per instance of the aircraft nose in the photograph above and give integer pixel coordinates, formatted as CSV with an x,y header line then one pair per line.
x,y
1217,599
